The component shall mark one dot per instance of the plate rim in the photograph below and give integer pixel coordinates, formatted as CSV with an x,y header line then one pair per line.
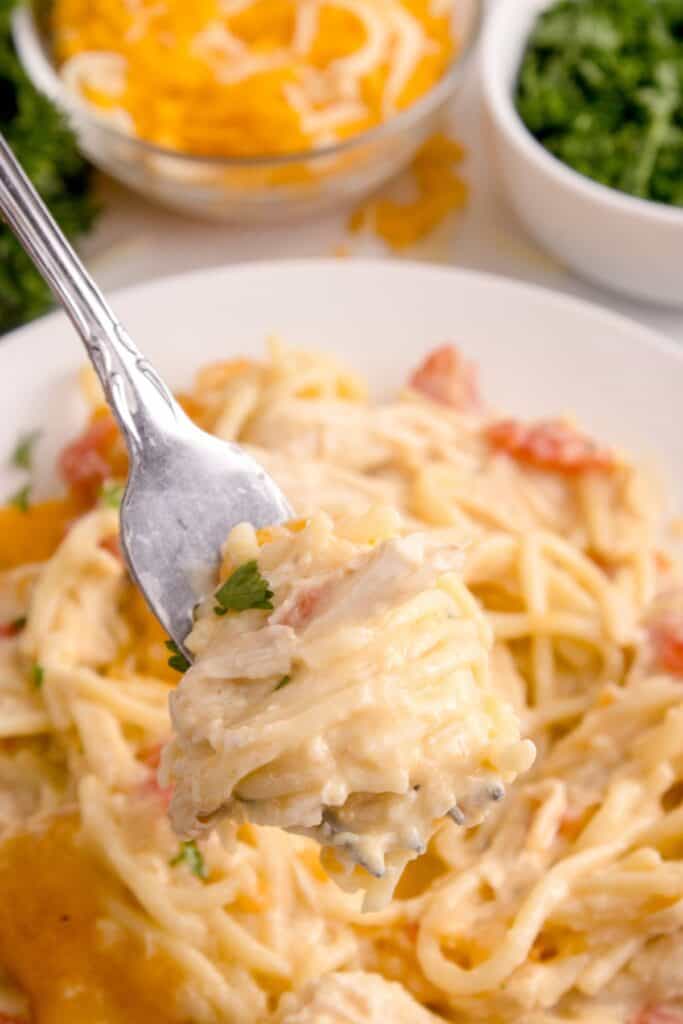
x,y
649,336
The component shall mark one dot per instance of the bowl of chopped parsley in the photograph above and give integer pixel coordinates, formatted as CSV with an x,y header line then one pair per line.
x,y
584,100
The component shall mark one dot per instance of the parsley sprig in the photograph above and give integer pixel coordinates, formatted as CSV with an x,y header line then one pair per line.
x,y
245,588
178,661
47,149
190,855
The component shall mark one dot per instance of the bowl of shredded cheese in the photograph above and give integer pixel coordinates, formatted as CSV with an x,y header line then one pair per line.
x,y
250,109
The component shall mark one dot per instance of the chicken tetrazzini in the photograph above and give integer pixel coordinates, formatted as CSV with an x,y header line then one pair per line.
x,y
507,578
351,703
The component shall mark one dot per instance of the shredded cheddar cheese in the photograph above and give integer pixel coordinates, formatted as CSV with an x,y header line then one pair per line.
x,y
250,77
437,188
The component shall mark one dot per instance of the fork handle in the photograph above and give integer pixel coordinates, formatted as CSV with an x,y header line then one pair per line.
x,y
142,404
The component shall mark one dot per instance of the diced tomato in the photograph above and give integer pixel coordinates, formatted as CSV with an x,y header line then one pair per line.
x,y
8,630
305,606
83,463
151,785
549,444
447,377
162,793
658,1014
666,637
113,546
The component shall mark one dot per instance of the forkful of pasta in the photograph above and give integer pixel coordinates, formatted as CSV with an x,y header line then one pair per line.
x,y
336,679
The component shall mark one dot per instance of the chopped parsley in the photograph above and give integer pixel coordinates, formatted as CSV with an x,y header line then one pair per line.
x,y
37,675
190,855
21,499
22,456
111,494
178,661
283,682
601,88
246,588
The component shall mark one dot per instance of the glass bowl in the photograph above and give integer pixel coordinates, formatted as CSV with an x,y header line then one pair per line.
x,y
251,189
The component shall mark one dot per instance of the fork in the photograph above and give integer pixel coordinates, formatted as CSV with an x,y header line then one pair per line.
x,y
185,489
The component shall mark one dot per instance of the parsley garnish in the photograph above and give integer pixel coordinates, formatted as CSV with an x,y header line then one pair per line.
x,y
246,588
22,456
111,494
283,682
22,498
37,675
178,661
190,854
19,624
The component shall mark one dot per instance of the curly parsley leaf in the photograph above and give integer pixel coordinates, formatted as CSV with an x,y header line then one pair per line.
x,y
22,456
37,675
245,589
46,147
178,661
21,499
190,855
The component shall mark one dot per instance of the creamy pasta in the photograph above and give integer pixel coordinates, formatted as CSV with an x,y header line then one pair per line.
x,y
352,703
563,905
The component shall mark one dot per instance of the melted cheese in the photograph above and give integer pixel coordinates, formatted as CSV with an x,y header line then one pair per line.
x,y
435,188
34,535
52,896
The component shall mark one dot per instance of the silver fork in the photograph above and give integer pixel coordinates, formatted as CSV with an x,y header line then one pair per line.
x,y
185,489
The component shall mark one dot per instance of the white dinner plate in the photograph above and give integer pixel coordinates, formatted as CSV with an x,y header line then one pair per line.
x,y
539,353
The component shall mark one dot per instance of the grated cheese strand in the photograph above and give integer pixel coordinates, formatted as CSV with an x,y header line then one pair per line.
x,y
250,77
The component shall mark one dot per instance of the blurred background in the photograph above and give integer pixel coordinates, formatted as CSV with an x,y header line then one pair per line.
x,y
202,162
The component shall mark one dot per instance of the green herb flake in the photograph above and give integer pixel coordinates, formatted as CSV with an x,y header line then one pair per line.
x,y
22,456
19,624
111,494
190,855
245,589
283,682
37,675
21,499
178,661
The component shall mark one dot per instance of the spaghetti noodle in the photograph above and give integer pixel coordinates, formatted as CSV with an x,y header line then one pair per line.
x,y
564,905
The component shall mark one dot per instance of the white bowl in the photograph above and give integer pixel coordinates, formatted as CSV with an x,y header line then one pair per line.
x,y
631,245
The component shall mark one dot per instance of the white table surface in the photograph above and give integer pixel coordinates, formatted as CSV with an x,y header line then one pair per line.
x,y
137,241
